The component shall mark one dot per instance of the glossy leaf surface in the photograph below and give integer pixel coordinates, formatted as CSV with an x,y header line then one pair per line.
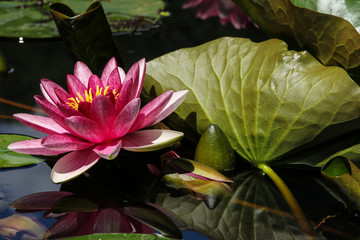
x,y
214,149
33,19
331,39
12,159
266,99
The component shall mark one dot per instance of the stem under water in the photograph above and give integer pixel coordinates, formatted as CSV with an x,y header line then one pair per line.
x,y
289,198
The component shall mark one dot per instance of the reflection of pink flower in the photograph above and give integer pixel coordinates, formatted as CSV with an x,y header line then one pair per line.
x,y
97,118
226,10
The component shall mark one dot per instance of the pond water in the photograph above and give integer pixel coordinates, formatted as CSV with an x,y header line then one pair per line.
x,y
255,210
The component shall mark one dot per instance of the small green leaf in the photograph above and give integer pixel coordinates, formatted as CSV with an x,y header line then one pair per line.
x,y
346,176
214,149
119,236
74,204
12,159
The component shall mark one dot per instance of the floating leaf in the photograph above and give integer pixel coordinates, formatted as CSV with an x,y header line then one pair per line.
x,y
12,159
214,150
32,18
346,176
331,39
266,99
119,236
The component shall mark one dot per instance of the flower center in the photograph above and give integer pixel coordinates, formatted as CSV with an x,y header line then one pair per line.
x,y
88,96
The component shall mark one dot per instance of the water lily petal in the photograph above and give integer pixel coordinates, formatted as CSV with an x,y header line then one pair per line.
x,y
150,140
68,111
82,72
109,150
110,66
85,128
33,147
65,142
136,74
93,83
126,118
149,112
114,80
75,86
73,164
125,96
102,112
48,88
122,74
176,99
40,123
52,111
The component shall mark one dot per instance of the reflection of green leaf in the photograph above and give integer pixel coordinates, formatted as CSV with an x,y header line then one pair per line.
x,y
266,99
255,210
74,204
154,218
33,19
12,159
331,39
115,236
346,176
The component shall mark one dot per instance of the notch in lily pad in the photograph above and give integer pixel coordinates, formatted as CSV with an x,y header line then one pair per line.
x,y
345,177
214,149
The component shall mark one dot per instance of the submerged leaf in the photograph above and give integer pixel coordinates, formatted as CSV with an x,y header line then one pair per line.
x,y
32,18
266,99
74,204
346,176
12,159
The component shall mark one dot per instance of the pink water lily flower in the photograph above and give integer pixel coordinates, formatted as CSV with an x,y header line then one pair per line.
x,y
97,118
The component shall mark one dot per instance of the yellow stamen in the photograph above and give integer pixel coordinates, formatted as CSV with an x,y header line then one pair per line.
x,y
74,101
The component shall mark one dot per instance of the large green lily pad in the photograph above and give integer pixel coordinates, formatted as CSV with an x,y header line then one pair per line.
x,y
32,19
326,28
266,99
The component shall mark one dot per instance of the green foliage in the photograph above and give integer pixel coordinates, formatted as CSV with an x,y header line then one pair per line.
x,y
309,25
32,18
87,36
12,159
266,99
346,176
214,150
